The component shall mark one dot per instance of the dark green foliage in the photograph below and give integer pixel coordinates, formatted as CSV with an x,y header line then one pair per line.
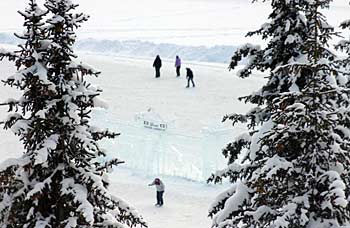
x,y
292,168
60,181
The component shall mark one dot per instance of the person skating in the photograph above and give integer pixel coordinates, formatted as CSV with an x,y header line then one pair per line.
x,y
189,76
157,64
178,66
160,191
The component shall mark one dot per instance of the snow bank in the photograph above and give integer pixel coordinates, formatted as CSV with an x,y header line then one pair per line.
x,y
136,48
218,54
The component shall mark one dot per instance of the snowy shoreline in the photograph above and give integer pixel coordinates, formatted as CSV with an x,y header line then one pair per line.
x,y
141,49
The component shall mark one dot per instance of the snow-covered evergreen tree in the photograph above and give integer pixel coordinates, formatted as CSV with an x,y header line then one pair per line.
x,y
60,180
284,32
344,46
344,66
292,168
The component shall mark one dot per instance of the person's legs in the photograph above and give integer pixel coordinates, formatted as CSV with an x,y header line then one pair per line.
x,y
159,196
157,72
188,82
161,201
192,82
178,71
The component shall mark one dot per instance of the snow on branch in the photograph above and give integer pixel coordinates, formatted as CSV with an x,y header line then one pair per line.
x,y
85,69
108,165
252,52
345,24
12,56
80,196
234,203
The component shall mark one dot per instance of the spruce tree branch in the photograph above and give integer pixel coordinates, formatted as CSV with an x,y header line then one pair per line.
x,y
11,56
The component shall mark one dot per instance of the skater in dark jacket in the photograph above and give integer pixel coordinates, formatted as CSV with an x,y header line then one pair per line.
x,y
160,191
189,76
178,66
157,64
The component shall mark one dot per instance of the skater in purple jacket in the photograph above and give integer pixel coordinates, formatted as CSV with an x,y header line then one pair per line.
x,y
178,66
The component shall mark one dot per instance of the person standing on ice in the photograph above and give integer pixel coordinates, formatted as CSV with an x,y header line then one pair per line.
x,y
178,66
160,191
189,76
157,64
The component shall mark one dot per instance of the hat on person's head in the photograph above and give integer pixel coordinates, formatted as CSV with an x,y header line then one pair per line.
x,y
157,181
